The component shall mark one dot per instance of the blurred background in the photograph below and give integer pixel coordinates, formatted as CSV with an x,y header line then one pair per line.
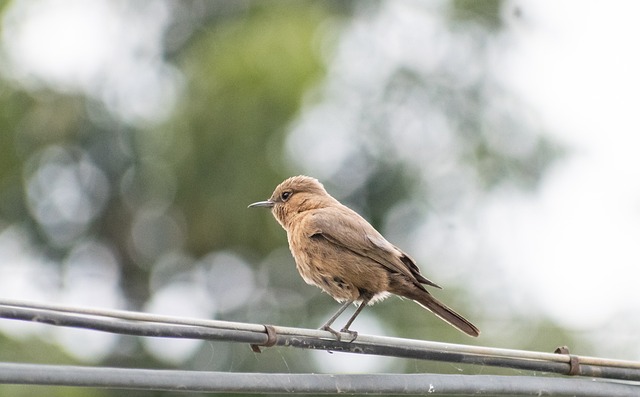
x,y
495,141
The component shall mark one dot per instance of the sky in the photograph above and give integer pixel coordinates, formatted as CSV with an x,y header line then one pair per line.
x,y
110,50
571,248
577,64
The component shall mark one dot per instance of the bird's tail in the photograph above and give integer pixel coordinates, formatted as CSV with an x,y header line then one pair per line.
x,y
438,308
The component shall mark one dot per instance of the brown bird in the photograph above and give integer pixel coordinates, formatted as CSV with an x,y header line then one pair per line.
x,y
338,251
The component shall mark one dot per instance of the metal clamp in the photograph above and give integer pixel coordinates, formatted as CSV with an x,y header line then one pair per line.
x,y
272,338
574,362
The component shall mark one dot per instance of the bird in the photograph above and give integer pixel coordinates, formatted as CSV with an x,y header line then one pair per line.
x,y
337,250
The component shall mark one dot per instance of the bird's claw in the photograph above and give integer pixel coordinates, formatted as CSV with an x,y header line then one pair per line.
x,y
353,334
338,335
333,332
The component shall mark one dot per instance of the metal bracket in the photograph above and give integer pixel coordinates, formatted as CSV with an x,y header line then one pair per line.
x,y
574,362
272,338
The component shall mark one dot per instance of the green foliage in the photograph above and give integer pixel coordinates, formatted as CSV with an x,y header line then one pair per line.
x,y
487,13
30,122
245,76
35,350
245,80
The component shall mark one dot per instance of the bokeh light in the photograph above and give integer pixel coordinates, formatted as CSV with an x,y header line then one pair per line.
x,y
490,140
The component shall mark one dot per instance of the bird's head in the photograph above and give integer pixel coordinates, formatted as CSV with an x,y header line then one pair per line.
x,y
294,195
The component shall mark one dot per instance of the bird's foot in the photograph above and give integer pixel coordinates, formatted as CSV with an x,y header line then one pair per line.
x,y
352,334
333,331
338,335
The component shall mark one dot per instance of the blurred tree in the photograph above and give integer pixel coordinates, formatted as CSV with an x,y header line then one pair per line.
x,y
167,203
247,76
70,171
489,14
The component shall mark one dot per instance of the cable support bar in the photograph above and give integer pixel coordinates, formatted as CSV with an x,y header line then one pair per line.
x,y
151,325
260,383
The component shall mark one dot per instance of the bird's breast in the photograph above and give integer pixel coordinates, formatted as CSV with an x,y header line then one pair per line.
x,y
335,269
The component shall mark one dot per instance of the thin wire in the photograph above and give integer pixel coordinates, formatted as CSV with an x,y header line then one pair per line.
x,y
150,325
281,330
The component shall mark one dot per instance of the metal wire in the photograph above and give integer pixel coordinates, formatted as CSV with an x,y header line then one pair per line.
x,y
150,325
311,333
378,384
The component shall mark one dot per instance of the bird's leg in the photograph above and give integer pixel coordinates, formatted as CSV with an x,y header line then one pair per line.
x,y
354,334
327,326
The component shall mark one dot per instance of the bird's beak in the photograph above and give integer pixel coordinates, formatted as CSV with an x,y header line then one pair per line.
x,y
266,204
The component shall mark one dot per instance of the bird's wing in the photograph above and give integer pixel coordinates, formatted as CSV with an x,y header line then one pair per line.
x,y
343,227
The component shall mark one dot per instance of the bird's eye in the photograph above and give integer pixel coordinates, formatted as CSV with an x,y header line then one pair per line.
x,y
285,195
